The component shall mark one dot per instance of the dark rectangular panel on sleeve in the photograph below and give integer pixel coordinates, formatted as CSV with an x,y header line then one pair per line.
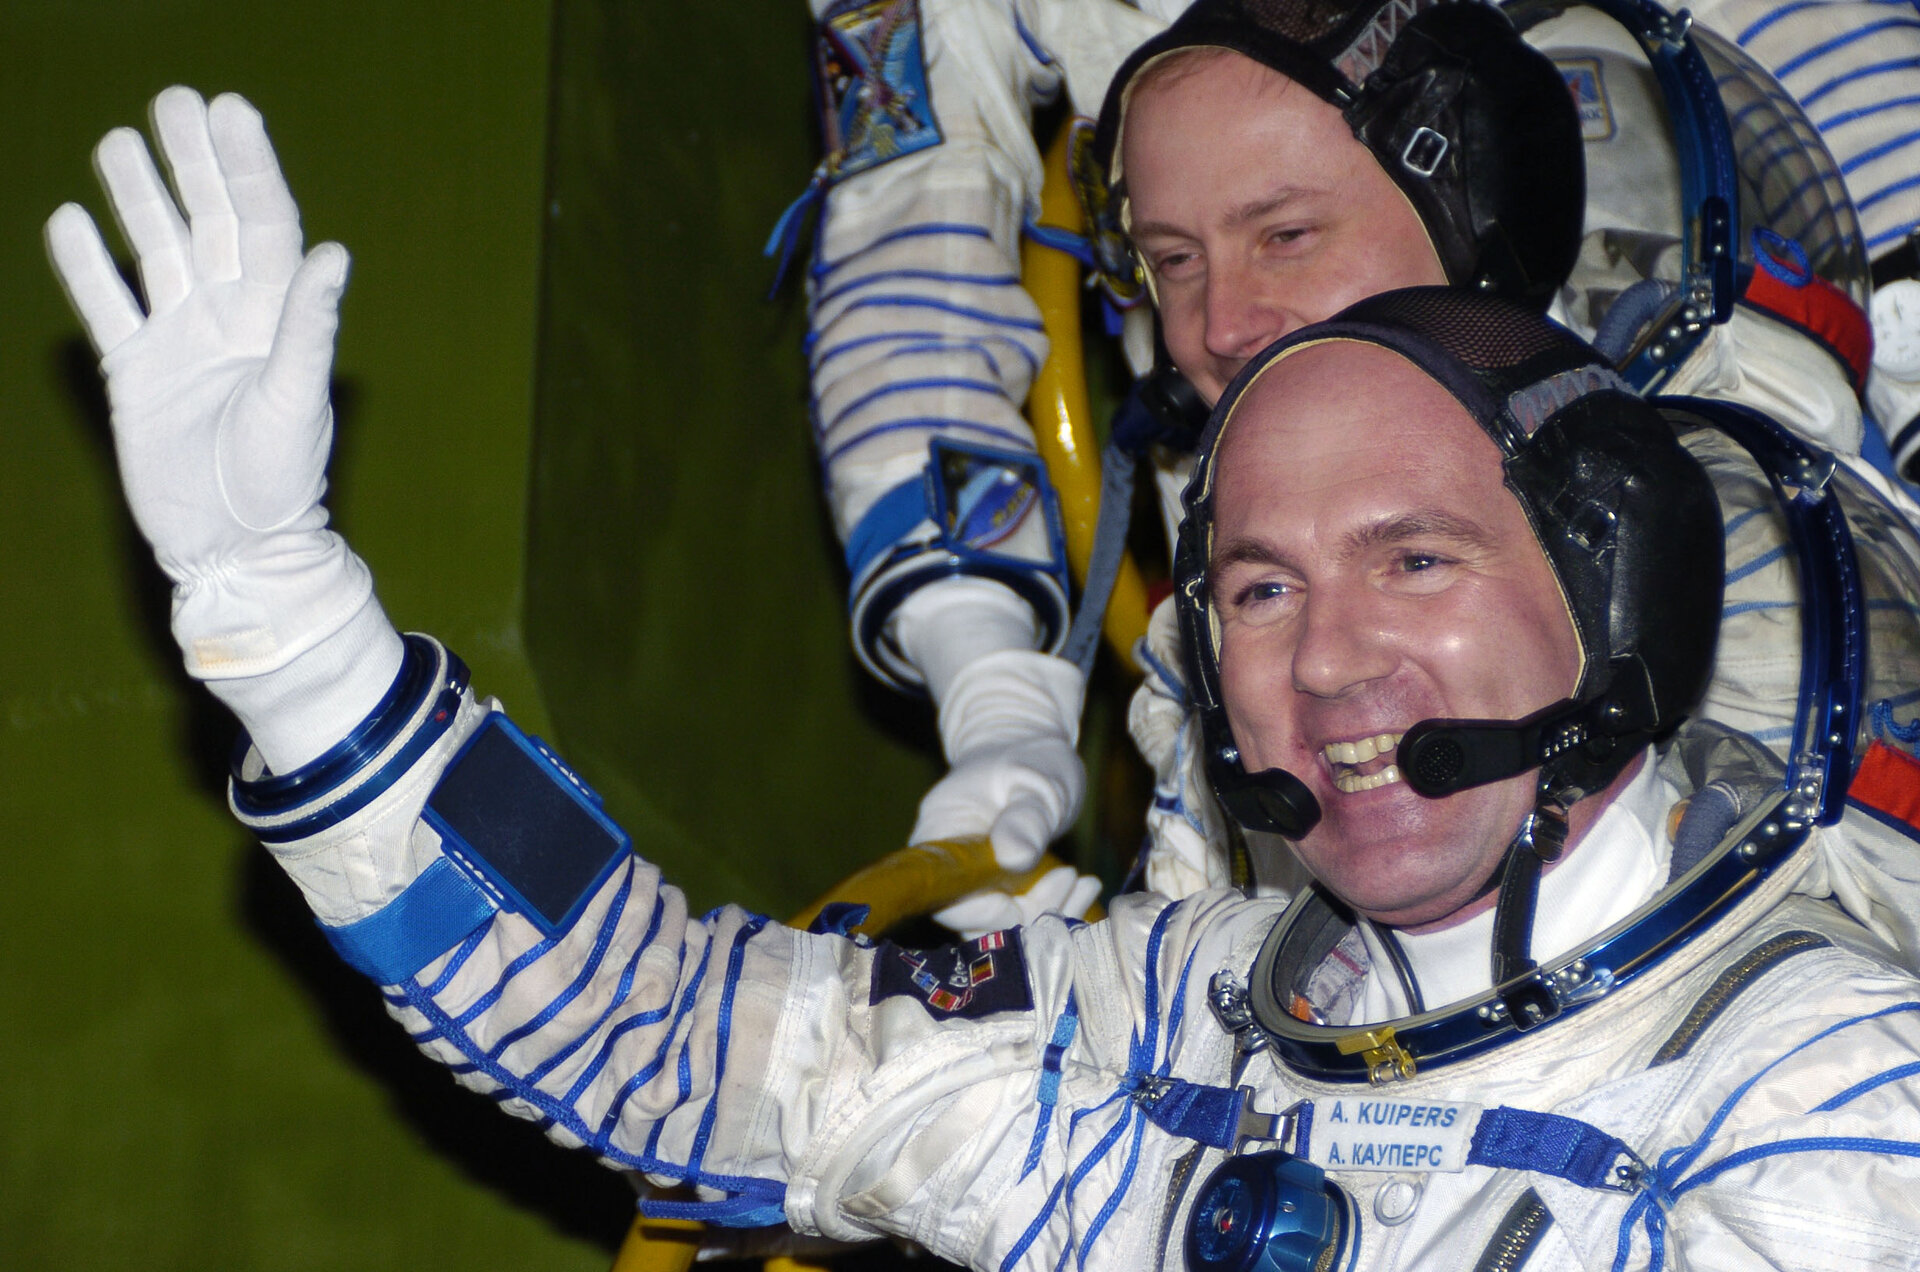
x,y
524,826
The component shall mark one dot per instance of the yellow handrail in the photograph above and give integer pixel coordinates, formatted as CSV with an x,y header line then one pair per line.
x,y
1058,409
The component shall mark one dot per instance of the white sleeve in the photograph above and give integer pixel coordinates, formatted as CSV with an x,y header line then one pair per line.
x,y
919,327
918,324
968,1098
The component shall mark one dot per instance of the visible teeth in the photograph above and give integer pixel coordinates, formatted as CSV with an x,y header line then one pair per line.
x,y
1361,751
1354,783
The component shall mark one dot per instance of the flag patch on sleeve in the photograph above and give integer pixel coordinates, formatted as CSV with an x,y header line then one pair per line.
x,y
968,980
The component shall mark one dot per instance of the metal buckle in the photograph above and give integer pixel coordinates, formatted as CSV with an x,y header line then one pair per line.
x,y
1424,151
1385,1058
1274,1128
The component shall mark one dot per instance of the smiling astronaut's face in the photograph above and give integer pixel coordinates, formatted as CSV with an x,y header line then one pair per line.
x,y
1256,211
1370,570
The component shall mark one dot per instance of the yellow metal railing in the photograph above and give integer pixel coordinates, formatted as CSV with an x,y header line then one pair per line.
x,y
1057,406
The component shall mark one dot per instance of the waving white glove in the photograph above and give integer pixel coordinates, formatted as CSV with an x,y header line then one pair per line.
x,y
221,420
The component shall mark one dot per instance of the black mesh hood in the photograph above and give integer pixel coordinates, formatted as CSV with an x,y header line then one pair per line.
x,y
1476,128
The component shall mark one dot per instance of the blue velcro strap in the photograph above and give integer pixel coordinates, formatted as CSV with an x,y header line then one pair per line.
x,y
1547,1144
1208,1114
762,1206
890,520
435,913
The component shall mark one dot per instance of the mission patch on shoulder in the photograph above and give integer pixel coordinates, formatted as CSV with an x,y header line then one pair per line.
x,y
971,979
874,102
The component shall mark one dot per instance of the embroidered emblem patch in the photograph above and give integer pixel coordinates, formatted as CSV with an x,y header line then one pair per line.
x,y
1589,90
972,979
874,103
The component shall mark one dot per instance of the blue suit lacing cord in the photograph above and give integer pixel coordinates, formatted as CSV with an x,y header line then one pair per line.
x,y
751,1201
1142,1067
1666,1181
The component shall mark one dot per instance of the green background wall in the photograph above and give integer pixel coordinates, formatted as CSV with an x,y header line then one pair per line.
x,y
190,1079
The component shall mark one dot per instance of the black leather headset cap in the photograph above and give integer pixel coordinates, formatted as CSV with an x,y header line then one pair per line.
x,y
1477,129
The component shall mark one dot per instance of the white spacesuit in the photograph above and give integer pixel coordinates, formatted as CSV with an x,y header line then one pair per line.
x,y
920,328
1722,1071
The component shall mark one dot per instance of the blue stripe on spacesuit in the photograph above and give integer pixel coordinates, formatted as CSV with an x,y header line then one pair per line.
x,y
1859,1089
1176,1014
527,958
651,1016
723,1037
949,346
1039,50
1898,233
1050,1065
964,229
909,301
1662,1185
1858,73
1880,151
1128,1114
907,386
1140,1054
1885,192
818,359
1863,112
929,422
651,1070
1099,1223
1817,51
1760,562
620,994
1033,1229
602,940
924,275
1799,6
756,1192
1748,607
857,342
458,959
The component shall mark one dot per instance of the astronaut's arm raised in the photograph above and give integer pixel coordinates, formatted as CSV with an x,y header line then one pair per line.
x,y
519,941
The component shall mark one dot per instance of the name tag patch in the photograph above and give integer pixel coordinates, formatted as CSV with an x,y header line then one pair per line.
x,y
1359,1133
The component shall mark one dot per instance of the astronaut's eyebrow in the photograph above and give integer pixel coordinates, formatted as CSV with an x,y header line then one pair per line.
x,y
1431,524
1245,551
1251,210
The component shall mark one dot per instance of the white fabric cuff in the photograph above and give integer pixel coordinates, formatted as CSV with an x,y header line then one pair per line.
x,y
947,626
296,712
